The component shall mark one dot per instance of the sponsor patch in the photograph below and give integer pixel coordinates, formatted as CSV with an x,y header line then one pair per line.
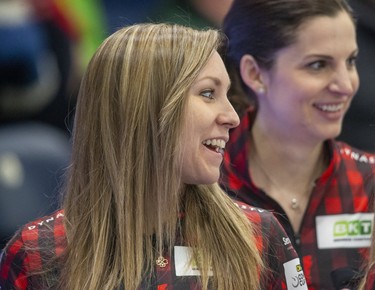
x,y
295,278
183,263
344,230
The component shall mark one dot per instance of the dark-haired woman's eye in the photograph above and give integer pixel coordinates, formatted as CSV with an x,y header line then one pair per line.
x,y
318,65
352,61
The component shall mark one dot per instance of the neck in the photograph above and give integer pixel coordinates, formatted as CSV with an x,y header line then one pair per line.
x,y
286,170
285,166
292,154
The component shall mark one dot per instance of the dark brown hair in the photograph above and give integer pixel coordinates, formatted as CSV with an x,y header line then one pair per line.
x,y
262,27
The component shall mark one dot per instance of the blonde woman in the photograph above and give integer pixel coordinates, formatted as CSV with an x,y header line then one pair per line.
x,y
142,208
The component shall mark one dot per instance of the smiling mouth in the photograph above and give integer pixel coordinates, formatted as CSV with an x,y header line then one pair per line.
x,y
330,108
216,145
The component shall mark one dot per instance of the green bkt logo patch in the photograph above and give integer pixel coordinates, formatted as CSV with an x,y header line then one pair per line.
x,y
352,228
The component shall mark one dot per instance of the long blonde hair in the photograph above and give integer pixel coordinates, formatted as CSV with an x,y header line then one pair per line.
x,y
369,264
124,192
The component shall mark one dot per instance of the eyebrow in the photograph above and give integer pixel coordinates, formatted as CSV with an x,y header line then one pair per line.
x,y
356,51
217,81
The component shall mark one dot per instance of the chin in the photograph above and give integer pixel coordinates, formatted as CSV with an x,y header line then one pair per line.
x,y
202,180
207,181
331,132
334,134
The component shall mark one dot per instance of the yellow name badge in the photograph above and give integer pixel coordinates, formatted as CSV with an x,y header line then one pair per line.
x,y
299,268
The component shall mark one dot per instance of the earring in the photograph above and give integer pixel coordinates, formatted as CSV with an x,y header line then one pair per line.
x,y
261,90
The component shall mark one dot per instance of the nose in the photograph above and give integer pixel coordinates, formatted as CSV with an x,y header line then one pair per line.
x,y
228,117
345,81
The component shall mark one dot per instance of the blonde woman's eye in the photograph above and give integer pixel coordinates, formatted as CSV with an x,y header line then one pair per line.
x,y
207,93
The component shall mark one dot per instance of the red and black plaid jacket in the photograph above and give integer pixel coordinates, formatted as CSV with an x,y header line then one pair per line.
x,y
19,261
336,227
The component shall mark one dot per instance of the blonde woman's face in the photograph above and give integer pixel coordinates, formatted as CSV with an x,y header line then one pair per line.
x,y
209,118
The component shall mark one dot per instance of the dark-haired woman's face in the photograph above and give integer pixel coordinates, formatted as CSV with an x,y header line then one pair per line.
x,y
313,81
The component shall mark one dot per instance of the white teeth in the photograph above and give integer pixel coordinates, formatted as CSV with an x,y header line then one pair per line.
x,y
218,143
330,108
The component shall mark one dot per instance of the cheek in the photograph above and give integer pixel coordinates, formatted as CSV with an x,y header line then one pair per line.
x,y
281,89
356,82
191,165
302,93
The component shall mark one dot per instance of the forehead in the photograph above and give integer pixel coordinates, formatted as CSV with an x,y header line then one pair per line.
x,y
214,68
327,31
324,35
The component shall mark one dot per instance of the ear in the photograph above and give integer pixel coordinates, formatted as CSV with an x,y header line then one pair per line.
x,y
251,73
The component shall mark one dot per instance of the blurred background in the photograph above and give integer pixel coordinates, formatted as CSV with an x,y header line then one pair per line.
x,y
45,46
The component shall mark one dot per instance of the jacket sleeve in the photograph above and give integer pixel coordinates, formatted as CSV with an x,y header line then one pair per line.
x,y
283,269
283,264
13,273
